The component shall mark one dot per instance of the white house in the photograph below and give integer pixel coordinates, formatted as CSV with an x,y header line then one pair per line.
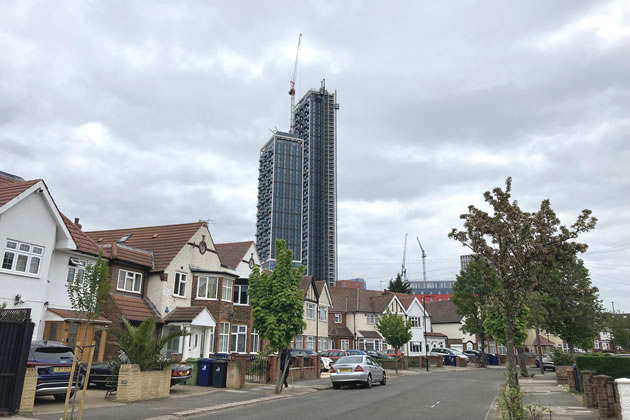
x,y
423,338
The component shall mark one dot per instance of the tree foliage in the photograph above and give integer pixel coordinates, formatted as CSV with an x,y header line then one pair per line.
x,y
88,290
495,325
399,285
619,326
142,345
394,329
277,303
517,244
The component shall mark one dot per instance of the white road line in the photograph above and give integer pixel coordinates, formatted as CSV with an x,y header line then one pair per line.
x,y
491,407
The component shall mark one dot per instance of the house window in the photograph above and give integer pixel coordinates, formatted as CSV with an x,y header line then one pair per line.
x,y
299,342
180,285
604,345
310,310
22,258
173,346
129,281
369,344
321,343
310,342
240,294
415,347
338,318
224,337
254,346
469,346
596,344
323,313
415,322
207,287
226,290
345,344
371,319
239,338
502,349
76,267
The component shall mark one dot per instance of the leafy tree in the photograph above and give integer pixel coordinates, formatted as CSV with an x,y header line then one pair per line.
x,y
395,330
399,286
142,345
619,326
574,311
516,243
472,294
495,325
87,292
277,303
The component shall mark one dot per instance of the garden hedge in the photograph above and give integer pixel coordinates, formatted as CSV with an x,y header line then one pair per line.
x,y
615,366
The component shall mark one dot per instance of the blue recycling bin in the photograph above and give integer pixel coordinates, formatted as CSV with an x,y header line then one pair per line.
x,y
489,359
447,360
453,360
221,356
204,377
495,360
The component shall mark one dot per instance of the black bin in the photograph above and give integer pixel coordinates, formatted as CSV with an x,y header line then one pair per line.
x,y
219,373
204,377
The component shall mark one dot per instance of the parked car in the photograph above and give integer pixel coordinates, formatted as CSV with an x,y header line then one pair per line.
x,y
53,361
547,363
333,354
394,353
473,353
442,351
324,362
359,369
101,374
379,355
354,352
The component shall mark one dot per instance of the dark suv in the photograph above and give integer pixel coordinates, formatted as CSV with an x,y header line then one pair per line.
x,y
53,361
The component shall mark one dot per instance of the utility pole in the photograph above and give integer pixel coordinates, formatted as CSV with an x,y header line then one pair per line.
x,y
426,344
424,256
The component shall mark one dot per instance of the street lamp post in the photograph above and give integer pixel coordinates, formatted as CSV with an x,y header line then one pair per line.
x,y
426,344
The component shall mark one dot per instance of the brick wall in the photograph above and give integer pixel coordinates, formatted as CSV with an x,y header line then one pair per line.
x,y
605,395
28,391
561,374
134,385
298,371
589,390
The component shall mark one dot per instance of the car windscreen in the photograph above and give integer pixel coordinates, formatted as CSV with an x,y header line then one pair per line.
x,y
52,354
350,359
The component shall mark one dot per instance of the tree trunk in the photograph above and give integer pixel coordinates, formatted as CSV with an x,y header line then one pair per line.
x,y
509,342
539,350
397,361
521,362
483,362
280,376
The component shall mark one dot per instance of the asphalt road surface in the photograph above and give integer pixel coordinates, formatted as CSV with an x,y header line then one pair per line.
x,y
467,394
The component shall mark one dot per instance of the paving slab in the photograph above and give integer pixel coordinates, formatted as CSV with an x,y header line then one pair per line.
x,y
543,391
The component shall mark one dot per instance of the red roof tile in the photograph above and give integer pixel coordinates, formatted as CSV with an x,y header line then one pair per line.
x,y
183,314
164,241
11,188
134,308
231,254
128,254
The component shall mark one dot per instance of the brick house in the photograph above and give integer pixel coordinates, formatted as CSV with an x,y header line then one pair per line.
x,y
317,302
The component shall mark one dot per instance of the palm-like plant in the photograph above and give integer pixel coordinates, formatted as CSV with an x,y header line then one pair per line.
x,y
142,346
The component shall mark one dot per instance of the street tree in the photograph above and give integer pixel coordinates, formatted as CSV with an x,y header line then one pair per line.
x,y
472,295
618,325
277,304
495,326
87,292
515,242
574,311
395,330
399,285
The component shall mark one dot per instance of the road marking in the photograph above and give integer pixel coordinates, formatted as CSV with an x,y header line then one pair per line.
x,y
491,407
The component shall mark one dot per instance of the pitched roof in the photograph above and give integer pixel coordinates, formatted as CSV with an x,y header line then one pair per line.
x,y
405,299
359,300
319,285
183,313
164,241
231,254
12,187
70,315
370,334
443,312
134,308
544,342
340,331
128,254
435,334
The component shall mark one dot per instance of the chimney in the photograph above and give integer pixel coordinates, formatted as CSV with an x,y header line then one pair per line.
x,y
76,222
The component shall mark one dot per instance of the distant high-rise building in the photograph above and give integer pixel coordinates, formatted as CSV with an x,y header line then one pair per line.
x,y
357,283
464,260
316,173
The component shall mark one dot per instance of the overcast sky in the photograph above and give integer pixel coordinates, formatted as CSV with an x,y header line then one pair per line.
x,y
144,113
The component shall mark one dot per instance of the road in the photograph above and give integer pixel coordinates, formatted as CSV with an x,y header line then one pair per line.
x,y
467,394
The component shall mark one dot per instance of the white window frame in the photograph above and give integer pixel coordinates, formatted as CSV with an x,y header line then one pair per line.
x,y
22,250
416,322
226,291
469,346
310,310
224,337
322,310
596,345
237,294
415,347
322,342
310,342
76,265
254,341
345,344
180,280
129,276
338,318
205,281
236,337
371,319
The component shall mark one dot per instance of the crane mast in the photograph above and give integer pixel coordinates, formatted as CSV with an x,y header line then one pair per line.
x,y
292,87
424,256
403,271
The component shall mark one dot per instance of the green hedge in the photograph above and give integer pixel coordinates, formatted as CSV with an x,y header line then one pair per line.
x,y
617,367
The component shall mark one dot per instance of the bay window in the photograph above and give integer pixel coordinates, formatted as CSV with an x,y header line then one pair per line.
x,y
239,338
226,290
224,337
207,287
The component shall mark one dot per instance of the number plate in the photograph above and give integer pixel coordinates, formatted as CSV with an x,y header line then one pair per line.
x,y
62,369
345,370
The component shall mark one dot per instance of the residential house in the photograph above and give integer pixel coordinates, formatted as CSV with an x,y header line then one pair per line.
x,y
447,321
603,342
317,302
41,248
422,336
177,273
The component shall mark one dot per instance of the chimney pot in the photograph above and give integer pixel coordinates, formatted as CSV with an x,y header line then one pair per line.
x,y
76,222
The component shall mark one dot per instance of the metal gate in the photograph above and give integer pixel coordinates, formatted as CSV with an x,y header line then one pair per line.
x,y
256,369
16,330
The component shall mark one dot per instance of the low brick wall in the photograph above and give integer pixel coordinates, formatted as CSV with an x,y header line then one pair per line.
x,y
134,385
28,391
298,371
605,394
460,362
561,374
589,397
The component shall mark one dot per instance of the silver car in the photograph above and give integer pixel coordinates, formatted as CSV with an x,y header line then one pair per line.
x,y
359,369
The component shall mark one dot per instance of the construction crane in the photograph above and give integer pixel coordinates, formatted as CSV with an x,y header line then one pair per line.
x,y
292,87
424,265
403,271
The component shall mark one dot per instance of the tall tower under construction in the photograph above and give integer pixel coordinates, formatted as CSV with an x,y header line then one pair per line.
x,y
316,138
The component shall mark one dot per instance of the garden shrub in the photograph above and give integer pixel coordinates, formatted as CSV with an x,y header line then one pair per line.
x,y
615,366
562,359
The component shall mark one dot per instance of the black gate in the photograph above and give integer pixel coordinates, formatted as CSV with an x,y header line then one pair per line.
x,y
16,330
256,369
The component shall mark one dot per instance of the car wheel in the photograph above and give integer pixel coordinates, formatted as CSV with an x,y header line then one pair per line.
x,y
384,380
368,383
62,397
336,386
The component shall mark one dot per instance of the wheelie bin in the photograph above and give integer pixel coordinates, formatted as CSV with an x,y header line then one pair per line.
x,y
219,373
204,375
